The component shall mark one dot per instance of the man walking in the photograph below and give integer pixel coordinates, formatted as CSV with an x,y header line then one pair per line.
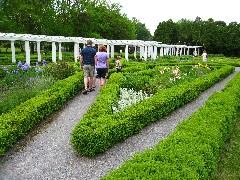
x,y
87,64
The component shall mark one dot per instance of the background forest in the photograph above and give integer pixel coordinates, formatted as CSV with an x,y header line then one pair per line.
x,y
103,19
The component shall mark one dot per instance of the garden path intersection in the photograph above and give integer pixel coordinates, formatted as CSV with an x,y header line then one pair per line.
x,y
46,153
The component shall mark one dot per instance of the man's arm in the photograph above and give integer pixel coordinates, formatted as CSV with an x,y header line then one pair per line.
x,y
95,60
81,62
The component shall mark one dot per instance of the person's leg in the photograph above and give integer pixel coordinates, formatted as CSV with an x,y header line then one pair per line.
x,y
86,79
91,72
90,83
103,81
94,81
86,82
103,77
94,77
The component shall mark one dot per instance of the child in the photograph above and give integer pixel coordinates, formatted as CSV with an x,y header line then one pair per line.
x,y
118,64
204,56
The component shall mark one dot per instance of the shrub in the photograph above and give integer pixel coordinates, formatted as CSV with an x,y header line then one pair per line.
x,y
60,70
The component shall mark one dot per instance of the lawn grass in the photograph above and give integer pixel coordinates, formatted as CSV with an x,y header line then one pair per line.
x,y
229,164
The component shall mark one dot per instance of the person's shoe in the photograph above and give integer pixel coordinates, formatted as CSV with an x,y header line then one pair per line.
x,y
90,90
85,91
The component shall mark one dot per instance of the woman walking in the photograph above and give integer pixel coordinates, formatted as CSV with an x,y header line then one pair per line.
x,y
102,64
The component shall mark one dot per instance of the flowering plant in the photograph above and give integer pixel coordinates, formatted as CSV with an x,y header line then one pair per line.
x,y
129,97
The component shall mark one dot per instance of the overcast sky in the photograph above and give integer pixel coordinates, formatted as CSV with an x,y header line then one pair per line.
x,y
151,12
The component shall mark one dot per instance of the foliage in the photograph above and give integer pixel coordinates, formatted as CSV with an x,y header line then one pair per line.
x,y
192,150
228,166
166,32
60,70
97,132
89,18
129,97
142,33
21,83
214,36
19,121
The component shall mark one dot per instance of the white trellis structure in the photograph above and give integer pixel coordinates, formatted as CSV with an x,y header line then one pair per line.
x,y
148,49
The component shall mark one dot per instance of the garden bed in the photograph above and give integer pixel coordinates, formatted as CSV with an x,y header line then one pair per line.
x,y
193,149
100,128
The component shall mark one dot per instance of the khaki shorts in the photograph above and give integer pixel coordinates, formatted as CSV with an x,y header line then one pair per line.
x,y
88,70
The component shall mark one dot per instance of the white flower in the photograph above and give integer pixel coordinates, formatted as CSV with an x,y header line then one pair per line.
x,y
129,97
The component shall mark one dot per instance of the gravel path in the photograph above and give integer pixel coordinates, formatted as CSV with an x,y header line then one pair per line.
x,y
46,153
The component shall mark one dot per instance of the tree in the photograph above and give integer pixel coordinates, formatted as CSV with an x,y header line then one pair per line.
x,y
185,31
167,32
31,17
142,33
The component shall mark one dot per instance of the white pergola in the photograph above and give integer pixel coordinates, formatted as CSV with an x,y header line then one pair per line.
x,y
148,49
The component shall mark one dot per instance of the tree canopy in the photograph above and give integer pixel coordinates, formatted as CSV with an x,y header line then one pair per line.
x,y
215,36
80,18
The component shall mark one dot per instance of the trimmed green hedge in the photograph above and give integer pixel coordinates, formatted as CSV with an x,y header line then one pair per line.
x,y
98,133
24,117
193,149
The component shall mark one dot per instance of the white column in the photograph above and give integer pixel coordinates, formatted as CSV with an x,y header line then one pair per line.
x,y
166,51
27,50
54,57
76,51
112,51
188,51
39,51
198,51
177,51
174,51
126,52
13,52
60,50
152,52
135,52
155,52
181,51
149,51
161,51
108,49
141,52
145,53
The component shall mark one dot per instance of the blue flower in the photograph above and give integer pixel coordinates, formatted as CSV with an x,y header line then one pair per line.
x,y
44,62
5,69
15,71
32,79
25,67
19,64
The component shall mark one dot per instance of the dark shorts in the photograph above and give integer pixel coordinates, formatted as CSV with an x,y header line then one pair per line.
x,y
118,70
102,72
